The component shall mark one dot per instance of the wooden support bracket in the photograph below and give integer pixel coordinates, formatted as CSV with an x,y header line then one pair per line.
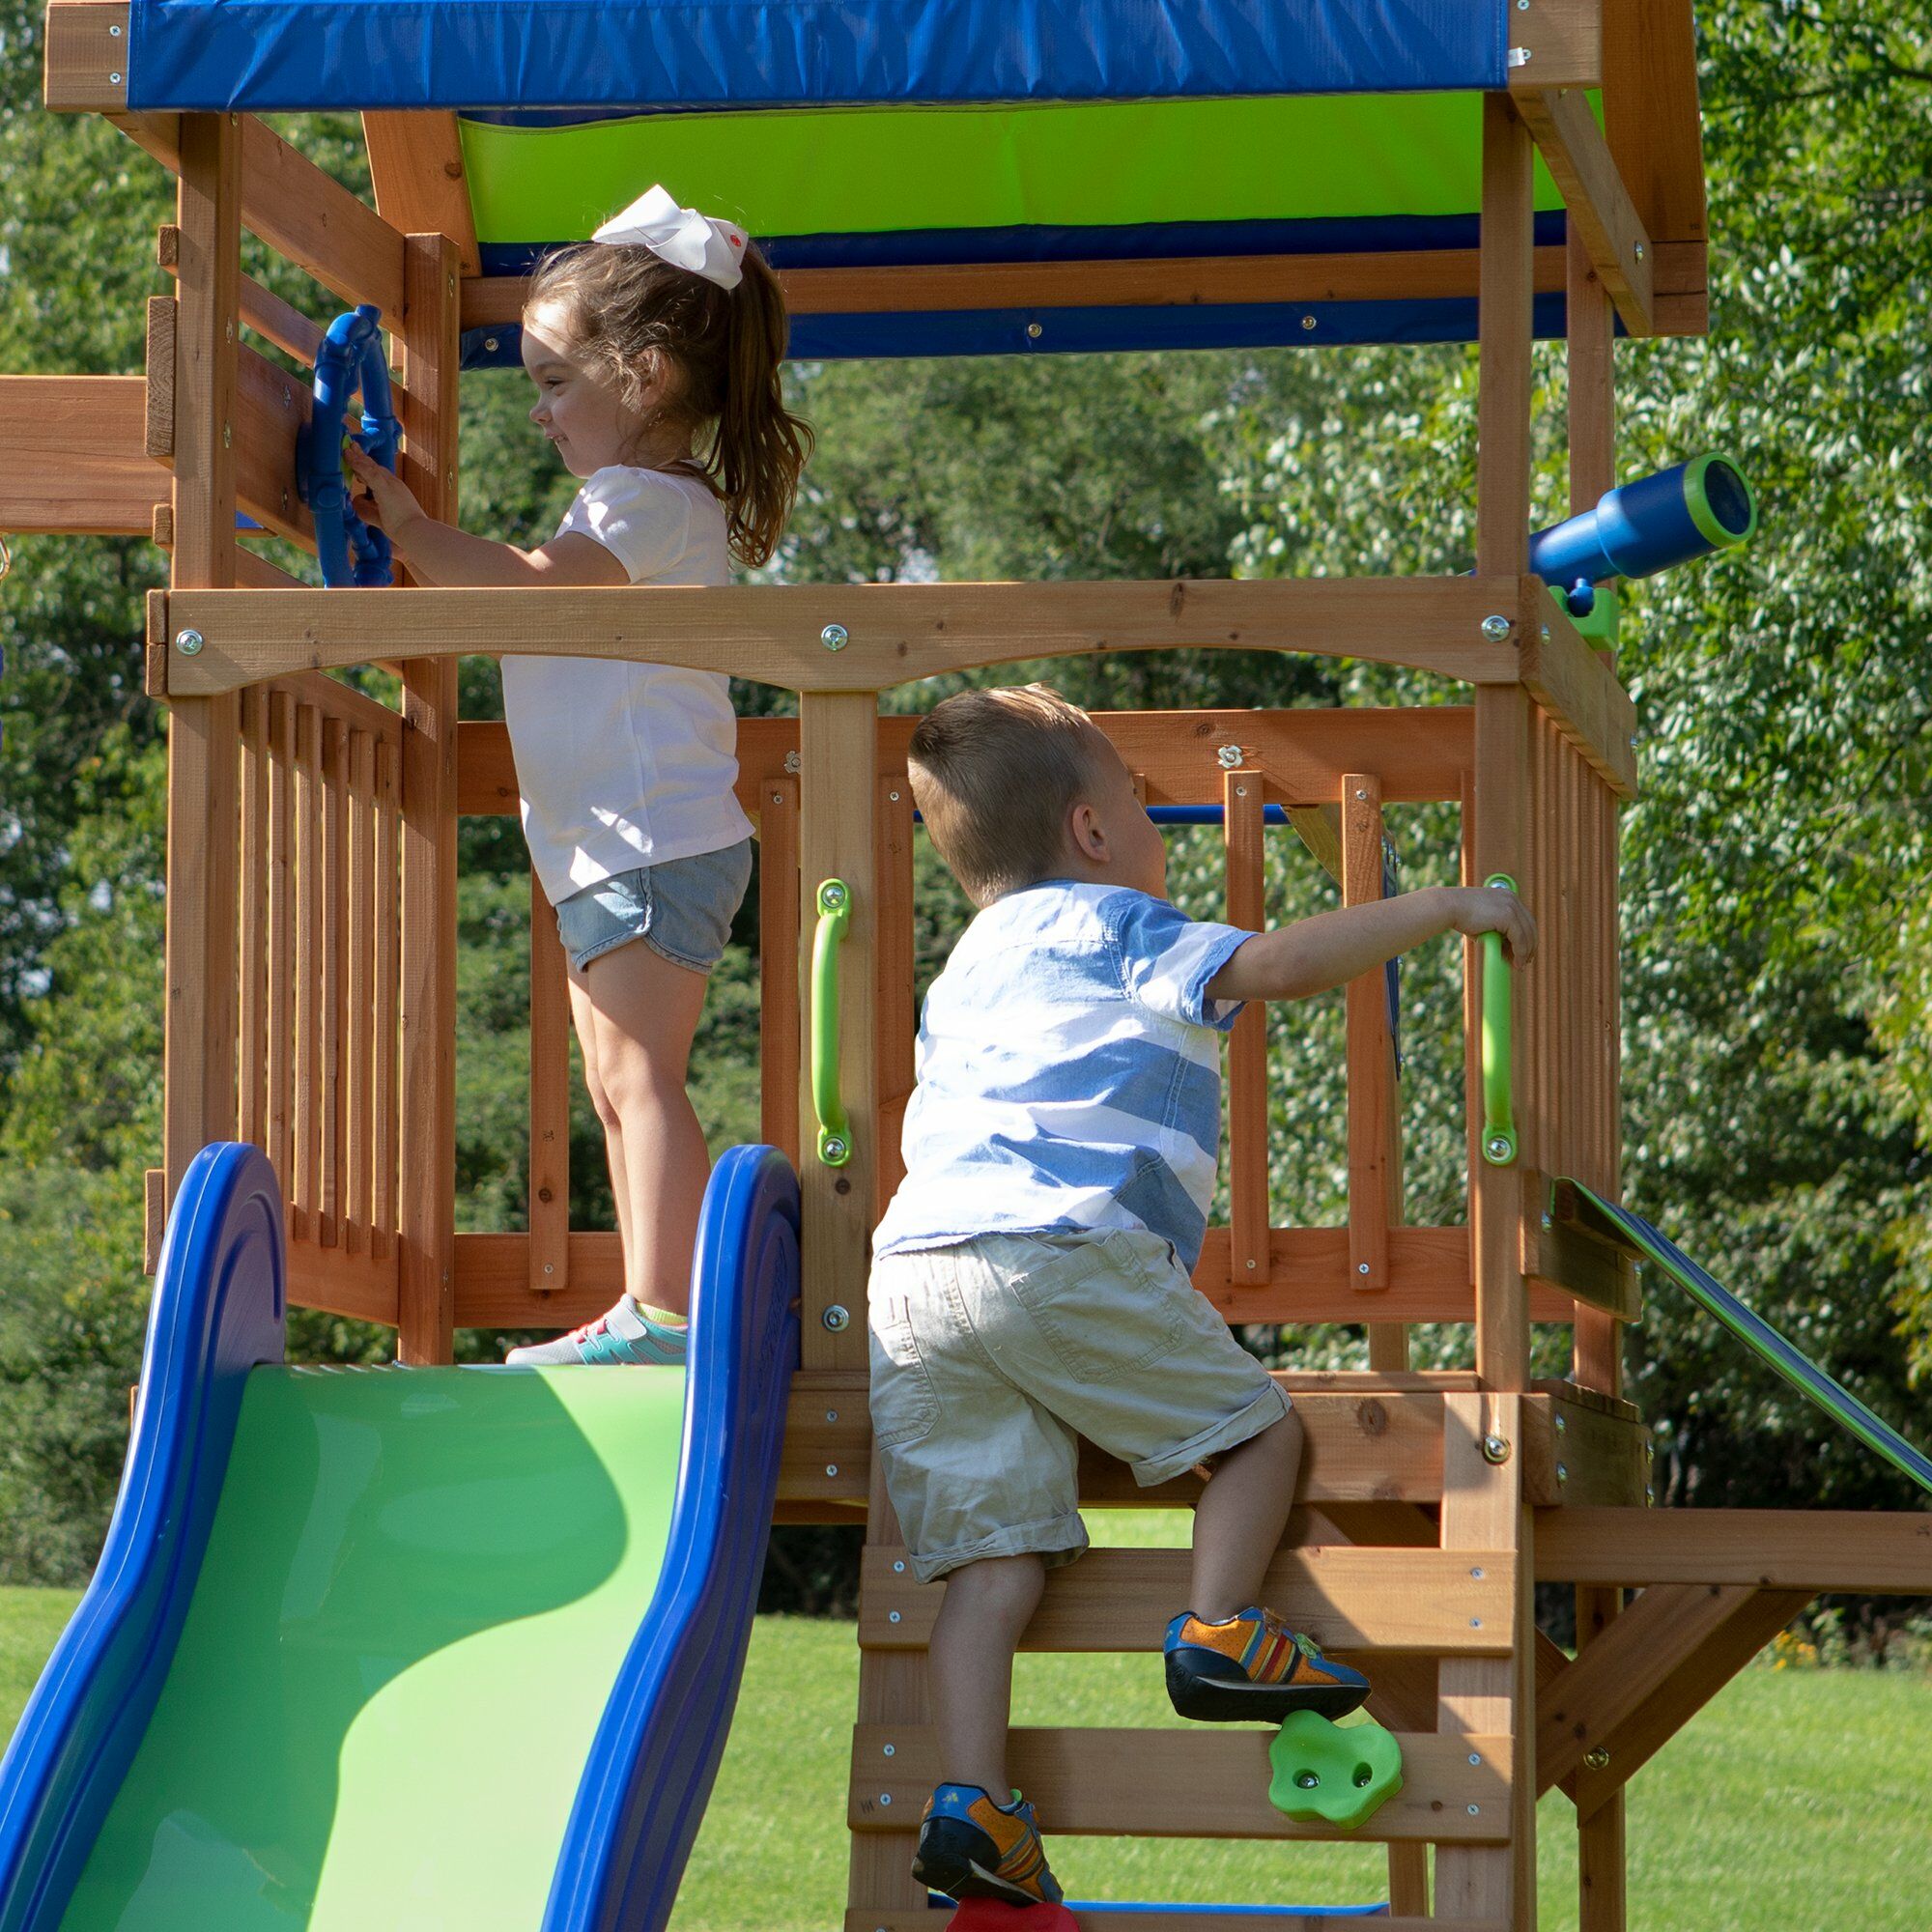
x,y
1580,161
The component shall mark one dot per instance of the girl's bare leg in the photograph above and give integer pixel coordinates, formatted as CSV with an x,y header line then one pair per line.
x,y
643,1013
584,1017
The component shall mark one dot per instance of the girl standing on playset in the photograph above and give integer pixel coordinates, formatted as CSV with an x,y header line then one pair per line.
x,y
656,351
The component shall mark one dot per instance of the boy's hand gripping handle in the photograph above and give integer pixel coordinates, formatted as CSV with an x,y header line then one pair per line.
x,y
835,1131
1499,1102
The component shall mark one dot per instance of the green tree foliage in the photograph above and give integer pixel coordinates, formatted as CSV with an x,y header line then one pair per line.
x,y
1778,950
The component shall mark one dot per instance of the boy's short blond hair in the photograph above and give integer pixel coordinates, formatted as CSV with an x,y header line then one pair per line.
x,y
994,773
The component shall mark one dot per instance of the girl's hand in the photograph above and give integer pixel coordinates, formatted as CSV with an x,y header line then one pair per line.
x,y
1478,909
384,499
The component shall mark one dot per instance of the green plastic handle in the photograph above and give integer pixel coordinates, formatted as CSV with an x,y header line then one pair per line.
x,y
835,1130
1498,1101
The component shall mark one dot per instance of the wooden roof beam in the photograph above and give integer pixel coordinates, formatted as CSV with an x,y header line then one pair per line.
x,y
415,164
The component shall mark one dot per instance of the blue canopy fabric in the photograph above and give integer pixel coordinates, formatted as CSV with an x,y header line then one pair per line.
x,y
288,55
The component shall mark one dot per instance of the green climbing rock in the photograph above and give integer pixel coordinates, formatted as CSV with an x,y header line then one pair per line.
x,y
1339,1774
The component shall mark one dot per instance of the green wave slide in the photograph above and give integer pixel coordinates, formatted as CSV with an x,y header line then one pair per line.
x,y
1638,1236
424,1648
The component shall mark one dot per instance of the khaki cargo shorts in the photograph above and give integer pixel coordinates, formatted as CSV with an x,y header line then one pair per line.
x,y
991,1357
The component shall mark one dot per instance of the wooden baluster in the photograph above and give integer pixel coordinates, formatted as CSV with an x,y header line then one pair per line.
x,y
897,1023
1375,1127
253,896
779,1025
305,1223
1243,832
334,987
359,1036
281,941
389,970
549,1211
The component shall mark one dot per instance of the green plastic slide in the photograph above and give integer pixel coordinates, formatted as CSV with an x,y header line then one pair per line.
x,y
419,1589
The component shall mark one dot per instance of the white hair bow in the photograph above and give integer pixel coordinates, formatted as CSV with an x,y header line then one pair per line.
x,y
680,236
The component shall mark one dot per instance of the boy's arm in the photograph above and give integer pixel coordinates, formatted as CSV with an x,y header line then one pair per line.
x,y
1313,954
440,554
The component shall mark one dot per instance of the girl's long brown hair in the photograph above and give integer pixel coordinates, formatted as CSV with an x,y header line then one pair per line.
x,y
720,351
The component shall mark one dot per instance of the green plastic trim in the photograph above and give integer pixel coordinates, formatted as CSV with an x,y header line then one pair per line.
x,y
835,1130
1698,500
1499,1099
1606,618
842,171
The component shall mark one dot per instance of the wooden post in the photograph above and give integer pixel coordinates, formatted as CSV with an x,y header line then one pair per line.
x,y
1243,830
897,1028
1374,1122
838,786
426,1199
1502,711
199,1103
780,1035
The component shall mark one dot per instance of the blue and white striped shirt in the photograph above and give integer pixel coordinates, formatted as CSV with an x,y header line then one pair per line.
x,y
1069,1076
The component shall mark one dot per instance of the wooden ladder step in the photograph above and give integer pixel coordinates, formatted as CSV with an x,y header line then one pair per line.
x,y
1348,1599
1186,1785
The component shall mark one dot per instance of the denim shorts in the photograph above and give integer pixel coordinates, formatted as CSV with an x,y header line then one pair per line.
x,y
991,1357
682,910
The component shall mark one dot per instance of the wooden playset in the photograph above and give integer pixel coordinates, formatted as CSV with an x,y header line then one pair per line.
x,y
311,933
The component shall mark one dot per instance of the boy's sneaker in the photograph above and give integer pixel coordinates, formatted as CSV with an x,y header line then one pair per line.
x,y
1254,1669
633,1335
971,1848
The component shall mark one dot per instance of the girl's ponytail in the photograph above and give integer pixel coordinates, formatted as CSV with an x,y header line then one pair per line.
x,y
762,446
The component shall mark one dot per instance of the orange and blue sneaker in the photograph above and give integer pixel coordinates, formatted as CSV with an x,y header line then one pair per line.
x,y
971,1848
1253,1669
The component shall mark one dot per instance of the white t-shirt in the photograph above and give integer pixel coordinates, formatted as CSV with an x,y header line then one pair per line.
x,y
622,765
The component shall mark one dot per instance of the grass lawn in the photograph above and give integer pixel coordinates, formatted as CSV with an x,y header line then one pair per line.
x,y
1795,1801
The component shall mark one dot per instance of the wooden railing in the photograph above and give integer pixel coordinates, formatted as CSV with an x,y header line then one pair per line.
x,y
317,895
1338,766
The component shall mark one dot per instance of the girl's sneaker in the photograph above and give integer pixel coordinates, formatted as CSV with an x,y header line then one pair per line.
x,y
1254,1669
971,1848
629,1333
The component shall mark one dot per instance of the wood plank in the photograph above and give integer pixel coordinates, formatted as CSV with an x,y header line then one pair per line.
x,y
79,463
388,978
426,1202
898,632
281,941
305,1196
199,1082
1559,1250
360,1033
1483,1510
1577,688
252,895
780,1033
1632,1657
1249,1247
548,1201
416,167
895,1028
334,987
838,735
1582,1455
1349,1600
1194,1783
86,56
359,1288
1861,1551
1563,40
1409,274
1590,358
1370,1065
256,573
262,309
1600,212
1651,115
1682,1694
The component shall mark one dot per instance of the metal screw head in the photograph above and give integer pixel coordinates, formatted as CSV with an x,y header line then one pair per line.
x,y
1475,1757
489,343
1361,1267
1561,1425
227,435
1548,1222
831,1469
1562,1474
885,1798
1475,1811
831,895
1499,1147
893,1616
1497,626
834,637
1477,1572
1638,251
114,33
1250,1262
114,80
832,1154
1308,322
550,1267
794,762
1598,1757
1649,1495
832,1415
835,1318
1227,756
888,1750
899,1566
1495,1449
188,643
1035,330
1475,1623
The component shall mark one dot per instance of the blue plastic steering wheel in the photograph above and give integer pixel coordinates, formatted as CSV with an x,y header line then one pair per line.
x,y
350,359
